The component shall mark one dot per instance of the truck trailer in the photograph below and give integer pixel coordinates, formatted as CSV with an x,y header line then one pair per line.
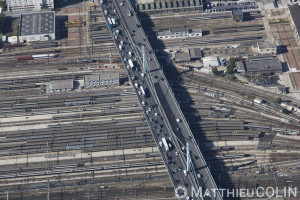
x,y
130,63
164,141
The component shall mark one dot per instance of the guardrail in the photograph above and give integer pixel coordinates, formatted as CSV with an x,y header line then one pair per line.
x,y
178,107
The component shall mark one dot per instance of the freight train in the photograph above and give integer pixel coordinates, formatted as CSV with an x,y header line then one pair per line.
x,y
36,57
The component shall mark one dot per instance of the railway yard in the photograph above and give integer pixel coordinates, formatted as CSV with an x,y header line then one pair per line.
x,y
96,143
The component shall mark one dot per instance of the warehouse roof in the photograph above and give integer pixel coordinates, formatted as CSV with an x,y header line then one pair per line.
x,y
163,33
37,23
178,29
263,65
109,76
93,77
237,12
295,12
240,67
195,53
61,84
211,61
182,57
266,44
196,30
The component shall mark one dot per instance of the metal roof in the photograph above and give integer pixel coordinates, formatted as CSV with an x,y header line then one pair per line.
x,y
37,23
295,13
211,61
61,84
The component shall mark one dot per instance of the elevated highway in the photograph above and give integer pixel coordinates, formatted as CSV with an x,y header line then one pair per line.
x,y
160,107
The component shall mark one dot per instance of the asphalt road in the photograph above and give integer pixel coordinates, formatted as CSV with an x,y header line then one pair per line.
x,y
160,105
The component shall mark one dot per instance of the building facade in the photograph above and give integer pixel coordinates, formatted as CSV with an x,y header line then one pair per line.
x,y
29,5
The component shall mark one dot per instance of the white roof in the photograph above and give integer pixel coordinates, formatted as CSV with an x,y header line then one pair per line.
x,y
211,61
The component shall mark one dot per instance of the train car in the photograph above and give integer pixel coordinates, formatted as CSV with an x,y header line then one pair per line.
x,y
13,45
24,58
43,56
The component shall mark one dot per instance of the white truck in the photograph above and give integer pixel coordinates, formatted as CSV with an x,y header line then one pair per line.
x,y
164,141
130,63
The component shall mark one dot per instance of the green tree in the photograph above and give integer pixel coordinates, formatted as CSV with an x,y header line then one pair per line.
x,y
231,65
215,71
3,5
16,31
278,100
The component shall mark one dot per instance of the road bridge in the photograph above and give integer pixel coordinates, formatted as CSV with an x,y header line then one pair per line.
x,y
160,107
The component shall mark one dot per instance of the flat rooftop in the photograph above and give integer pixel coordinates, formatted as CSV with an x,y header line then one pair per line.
x,y
37,23
109,76
266,44
61,84
263,65
178,29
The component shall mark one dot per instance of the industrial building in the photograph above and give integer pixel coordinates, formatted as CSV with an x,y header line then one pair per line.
x,y
37,26
179,32
101,80
195,53
265,48
168,6
295,19
237,15
29,5
240,66
211,61
182,57
61,85
262,67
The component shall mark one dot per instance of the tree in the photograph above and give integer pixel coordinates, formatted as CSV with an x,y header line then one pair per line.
x,y
231,65
16,31
3,5
215,71
278,100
